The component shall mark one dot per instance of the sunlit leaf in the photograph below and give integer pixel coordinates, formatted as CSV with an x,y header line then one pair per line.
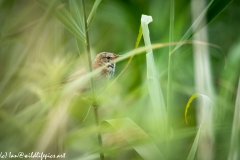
x,y
153,79
139,37
188,105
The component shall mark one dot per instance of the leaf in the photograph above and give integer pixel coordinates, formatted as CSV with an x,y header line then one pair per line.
x,y
62,14
153,80
213,11
193,27
204,123
139,37
188,105
132,133
77,13
93,13
216,8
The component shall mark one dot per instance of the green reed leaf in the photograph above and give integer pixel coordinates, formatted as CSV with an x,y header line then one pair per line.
x,y
77,13
153,79
193,27
93,13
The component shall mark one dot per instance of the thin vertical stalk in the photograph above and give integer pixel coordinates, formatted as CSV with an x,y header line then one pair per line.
x,y
94,103
171,34
169,85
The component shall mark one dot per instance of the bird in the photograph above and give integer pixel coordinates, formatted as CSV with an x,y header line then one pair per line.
x,y
106,60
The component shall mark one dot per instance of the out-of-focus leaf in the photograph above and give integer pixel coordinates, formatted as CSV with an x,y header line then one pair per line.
x,y
93,12
235,147
205,120
132,133
61,13
153,80
77,13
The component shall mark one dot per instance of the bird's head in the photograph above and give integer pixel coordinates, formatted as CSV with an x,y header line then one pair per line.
x,y
104,58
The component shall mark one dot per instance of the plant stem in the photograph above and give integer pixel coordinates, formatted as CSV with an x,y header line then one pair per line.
x,y
169,85
171,34
94,103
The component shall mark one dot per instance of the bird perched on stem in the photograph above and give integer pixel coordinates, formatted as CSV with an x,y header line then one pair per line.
x,y
104,60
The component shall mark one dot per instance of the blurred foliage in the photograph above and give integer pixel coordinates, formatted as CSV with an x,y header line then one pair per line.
x,y
38,52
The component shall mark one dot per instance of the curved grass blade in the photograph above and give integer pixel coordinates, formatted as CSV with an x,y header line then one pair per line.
x,y
62,14
153,80
188,105
204,124
93,13
132,133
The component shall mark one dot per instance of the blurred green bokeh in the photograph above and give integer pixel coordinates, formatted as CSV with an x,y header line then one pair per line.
x,y
38,52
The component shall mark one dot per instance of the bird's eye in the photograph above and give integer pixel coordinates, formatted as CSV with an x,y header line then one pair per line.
x,y
108,57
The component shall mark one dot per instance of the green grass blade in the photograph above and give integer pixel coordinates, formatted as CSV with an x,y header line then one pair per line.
x,y
170,59
215,9
93,12
193,150
132,133
204,123
139,37
235,145
62,14
153,79
193,27
188,105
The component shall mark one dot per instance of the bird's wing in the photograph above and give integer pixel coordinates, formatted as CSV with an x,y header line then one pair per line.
x,y
74,76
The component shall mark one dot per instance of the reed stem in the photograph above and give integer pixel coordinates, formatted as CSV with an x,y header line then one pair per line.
x,y
94,103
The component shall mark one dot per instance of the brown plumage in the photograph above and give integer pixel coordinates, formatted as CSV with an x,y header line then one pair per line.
x,y
103,59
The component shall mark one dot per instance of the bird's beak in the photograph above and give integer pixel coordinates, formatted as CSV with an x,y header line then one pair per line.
x,y
116,56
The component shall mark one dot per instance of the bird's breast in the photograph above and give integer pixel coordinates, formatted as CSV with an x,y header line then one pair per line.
x,y
108,71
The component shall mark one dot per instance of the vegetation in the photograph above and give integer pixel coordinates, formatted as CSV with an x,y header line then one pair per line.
x,y
173,91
